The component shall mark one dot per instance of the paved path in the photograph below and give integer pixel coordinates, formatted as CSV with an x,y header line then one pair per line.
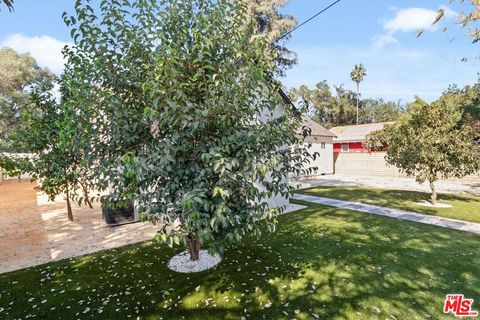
x,y
34,230
466,186
394,213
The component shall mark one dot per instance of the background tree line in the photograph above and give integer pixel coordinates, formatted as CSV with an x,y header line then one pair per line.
x,y
336,106
20,75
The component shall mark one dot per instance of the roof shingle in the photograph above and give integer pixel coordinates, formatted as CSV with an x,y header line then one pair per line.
x,y
317,129
356,132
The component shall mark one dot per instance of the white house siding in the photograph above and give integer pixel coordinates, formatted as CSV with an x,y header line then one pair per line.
x,y
324,161
274,201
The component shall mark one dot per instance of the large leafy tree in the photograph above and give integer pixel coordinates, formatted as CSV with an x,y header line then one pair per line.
x,y
19,75
273,24
430,142
327,107
319,100
379,110
470,97
179,94
343,107
357,75
468,18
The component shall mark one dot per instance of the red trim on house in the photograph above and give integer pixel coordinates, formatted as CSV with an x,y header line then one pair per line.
x,y
352,147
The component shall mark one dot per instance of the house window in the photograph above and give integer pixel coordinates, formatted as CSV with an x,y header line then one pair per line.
x,y
345,148
322,145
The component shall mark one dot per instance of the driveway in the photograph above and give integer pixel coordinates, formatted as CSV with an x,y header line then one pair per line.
x,y
35,231
470,186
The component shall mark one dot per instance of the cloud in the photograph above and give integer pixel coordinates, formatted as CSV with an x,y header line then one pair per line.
x,y
46,50
409,20
382,40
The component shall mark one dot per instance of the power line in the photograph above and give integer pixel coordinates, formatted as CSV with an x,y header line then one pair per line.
x,y
307,21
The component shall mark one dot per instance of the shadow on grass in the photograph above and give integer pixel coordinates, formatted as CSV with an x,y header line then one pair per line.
x,y
333,263
304,182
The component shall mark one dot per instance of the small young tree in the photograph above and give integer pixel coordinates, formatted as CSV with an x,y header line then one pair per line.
x,y
181,95
58,147
429,142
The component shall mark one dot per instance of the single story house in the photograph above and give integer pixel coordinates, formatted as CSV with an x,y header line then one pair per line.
x,y
352,138
321,141
351,157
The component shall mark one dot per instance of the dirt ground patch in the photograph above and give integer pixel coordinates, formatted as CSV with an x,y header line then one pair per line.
x,y
35,231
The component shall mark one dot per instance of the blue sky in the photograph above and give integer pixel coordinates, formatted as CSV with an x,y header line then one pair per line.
x,y
379,34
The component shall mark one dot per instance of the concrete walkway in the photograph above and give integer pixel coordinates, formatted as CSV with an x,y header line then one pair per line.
x,y
34,230
394,213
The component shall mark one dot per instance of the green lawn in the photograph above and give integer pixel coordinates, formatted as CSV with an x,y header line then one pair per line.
x,y
464,207
322,262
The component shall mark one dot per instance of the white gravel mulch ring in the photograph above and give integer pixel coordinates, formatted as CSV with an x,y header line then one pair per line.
x,y
182,263
437,205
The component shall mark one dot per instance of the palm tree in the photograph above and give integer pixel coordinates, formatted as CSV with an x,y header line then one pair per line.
x,y
8,3
357,75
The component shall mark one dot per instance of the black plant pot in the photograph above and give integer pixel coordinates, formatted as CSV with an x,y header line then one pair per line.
x,y
118,215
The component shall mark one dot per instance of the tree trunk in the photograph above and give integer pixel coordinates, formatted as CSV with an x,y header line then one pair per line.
x,y
69,207
194,245
434,193
358,90
89,204
85,193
